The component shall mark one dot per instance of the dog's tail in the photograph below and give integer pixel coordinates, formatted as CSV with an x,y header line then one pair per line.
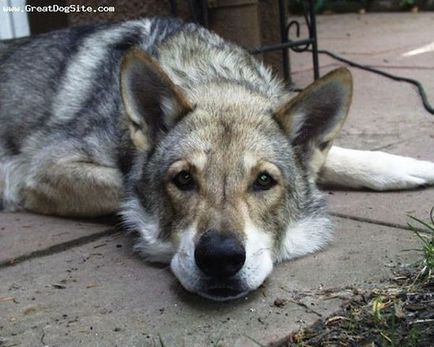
x,y
374,170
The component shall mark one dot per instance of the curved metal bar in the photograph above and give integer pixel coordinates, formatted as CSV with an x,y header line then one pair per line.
x,y
199,13
296,24
297,48
297,27
309,17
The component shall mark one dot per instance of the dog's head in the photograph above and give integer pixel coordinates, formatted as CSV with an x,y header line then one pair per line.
x,y
224,188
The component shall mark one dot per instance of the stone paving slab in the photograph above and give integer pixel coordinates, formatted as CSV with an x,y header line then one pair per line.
x,y
383,112
397,125
100,294
390,207
381,31
385,115
373,36
23,235
74,285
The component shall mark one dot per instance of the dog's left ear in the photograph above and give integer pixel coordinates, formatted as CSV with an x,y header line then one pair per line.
x,y
314,117
153,103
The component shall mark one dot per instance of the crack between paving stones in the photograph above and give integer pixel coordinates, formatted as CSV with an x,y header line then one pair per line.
x,y
90,238
383,147
61,247
399,142
42,338
374,221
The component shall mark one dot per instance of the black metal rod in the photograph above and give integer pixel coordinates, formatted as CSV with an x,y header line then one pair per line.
x,y
193,12
199,12
314,37
174,8
205,15
285,45
284,39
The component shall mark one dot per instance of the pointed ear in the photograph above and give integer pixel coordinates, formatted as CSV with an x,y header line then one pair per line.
x,y
314,117
152,101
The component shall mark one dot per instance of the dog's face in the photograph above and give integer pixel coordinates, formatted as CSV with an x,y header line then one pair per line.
x,y
225,188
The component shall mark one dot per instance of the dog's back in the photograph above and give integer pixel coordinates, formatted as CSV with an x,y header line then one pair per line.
x,y
67,80
60,94
64,81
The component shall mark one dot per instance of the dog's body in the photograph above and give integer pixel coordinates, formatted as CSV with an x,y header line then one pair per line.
x,y
214,160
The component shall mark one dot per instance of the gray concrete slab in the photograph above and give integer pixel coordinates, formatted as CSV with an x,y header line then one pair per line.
x,y
385,114
24,235
373,37
74,285
102,294
390,207
383,111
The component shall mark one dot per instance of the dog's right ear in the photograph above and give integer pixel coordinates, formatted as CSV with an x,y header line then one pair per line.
x,y
152,101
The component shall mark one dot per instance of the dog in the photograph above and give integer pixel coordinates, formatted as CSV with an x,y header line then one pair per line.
x,y
194,142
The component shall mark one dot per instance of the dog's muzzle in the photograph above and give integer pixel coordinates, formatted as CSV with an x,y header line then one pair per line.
x,y
220,256
222,265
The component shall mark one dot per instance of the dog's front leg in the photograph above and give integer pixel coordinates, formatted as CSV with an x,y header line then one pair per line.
x,y
374,170
74,189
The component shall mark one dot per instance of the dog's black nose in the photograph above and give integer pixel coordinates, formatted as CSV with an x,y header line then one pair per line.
x,y
219,254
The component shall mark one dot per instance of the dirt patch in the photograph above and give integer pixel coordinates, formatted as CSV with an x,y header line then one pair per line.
x,y
398,314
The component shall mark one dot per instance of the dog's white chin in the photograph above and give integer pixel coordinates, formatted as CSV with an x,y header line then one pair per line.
x,y
258,265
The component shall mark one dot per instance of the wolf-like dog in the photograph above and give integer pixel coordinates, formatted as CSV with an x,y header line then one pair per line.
x,y
189,138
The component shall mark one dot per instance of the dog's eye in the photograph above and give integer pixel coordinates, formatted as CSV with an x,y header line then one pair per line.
x,y
184,181
264,181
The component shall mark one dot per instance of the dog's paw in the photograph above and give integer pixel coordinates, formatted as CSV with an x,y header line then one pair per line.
x,y
376,170
392,172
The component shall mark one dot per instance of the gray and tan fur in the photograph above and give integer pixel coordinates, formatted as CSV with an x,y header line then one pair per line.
x,y
194,142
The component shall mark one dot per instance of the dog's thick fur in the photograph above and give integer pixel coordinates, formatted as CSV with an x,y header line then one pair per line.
x,y
184,135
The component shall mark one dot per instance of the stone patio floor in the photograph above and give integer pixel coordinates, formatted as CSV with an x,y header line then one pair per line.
x,y
78,283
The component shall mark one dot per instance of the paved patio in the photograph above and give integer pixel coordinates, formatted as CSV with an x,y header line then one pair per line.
x,y
77,283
